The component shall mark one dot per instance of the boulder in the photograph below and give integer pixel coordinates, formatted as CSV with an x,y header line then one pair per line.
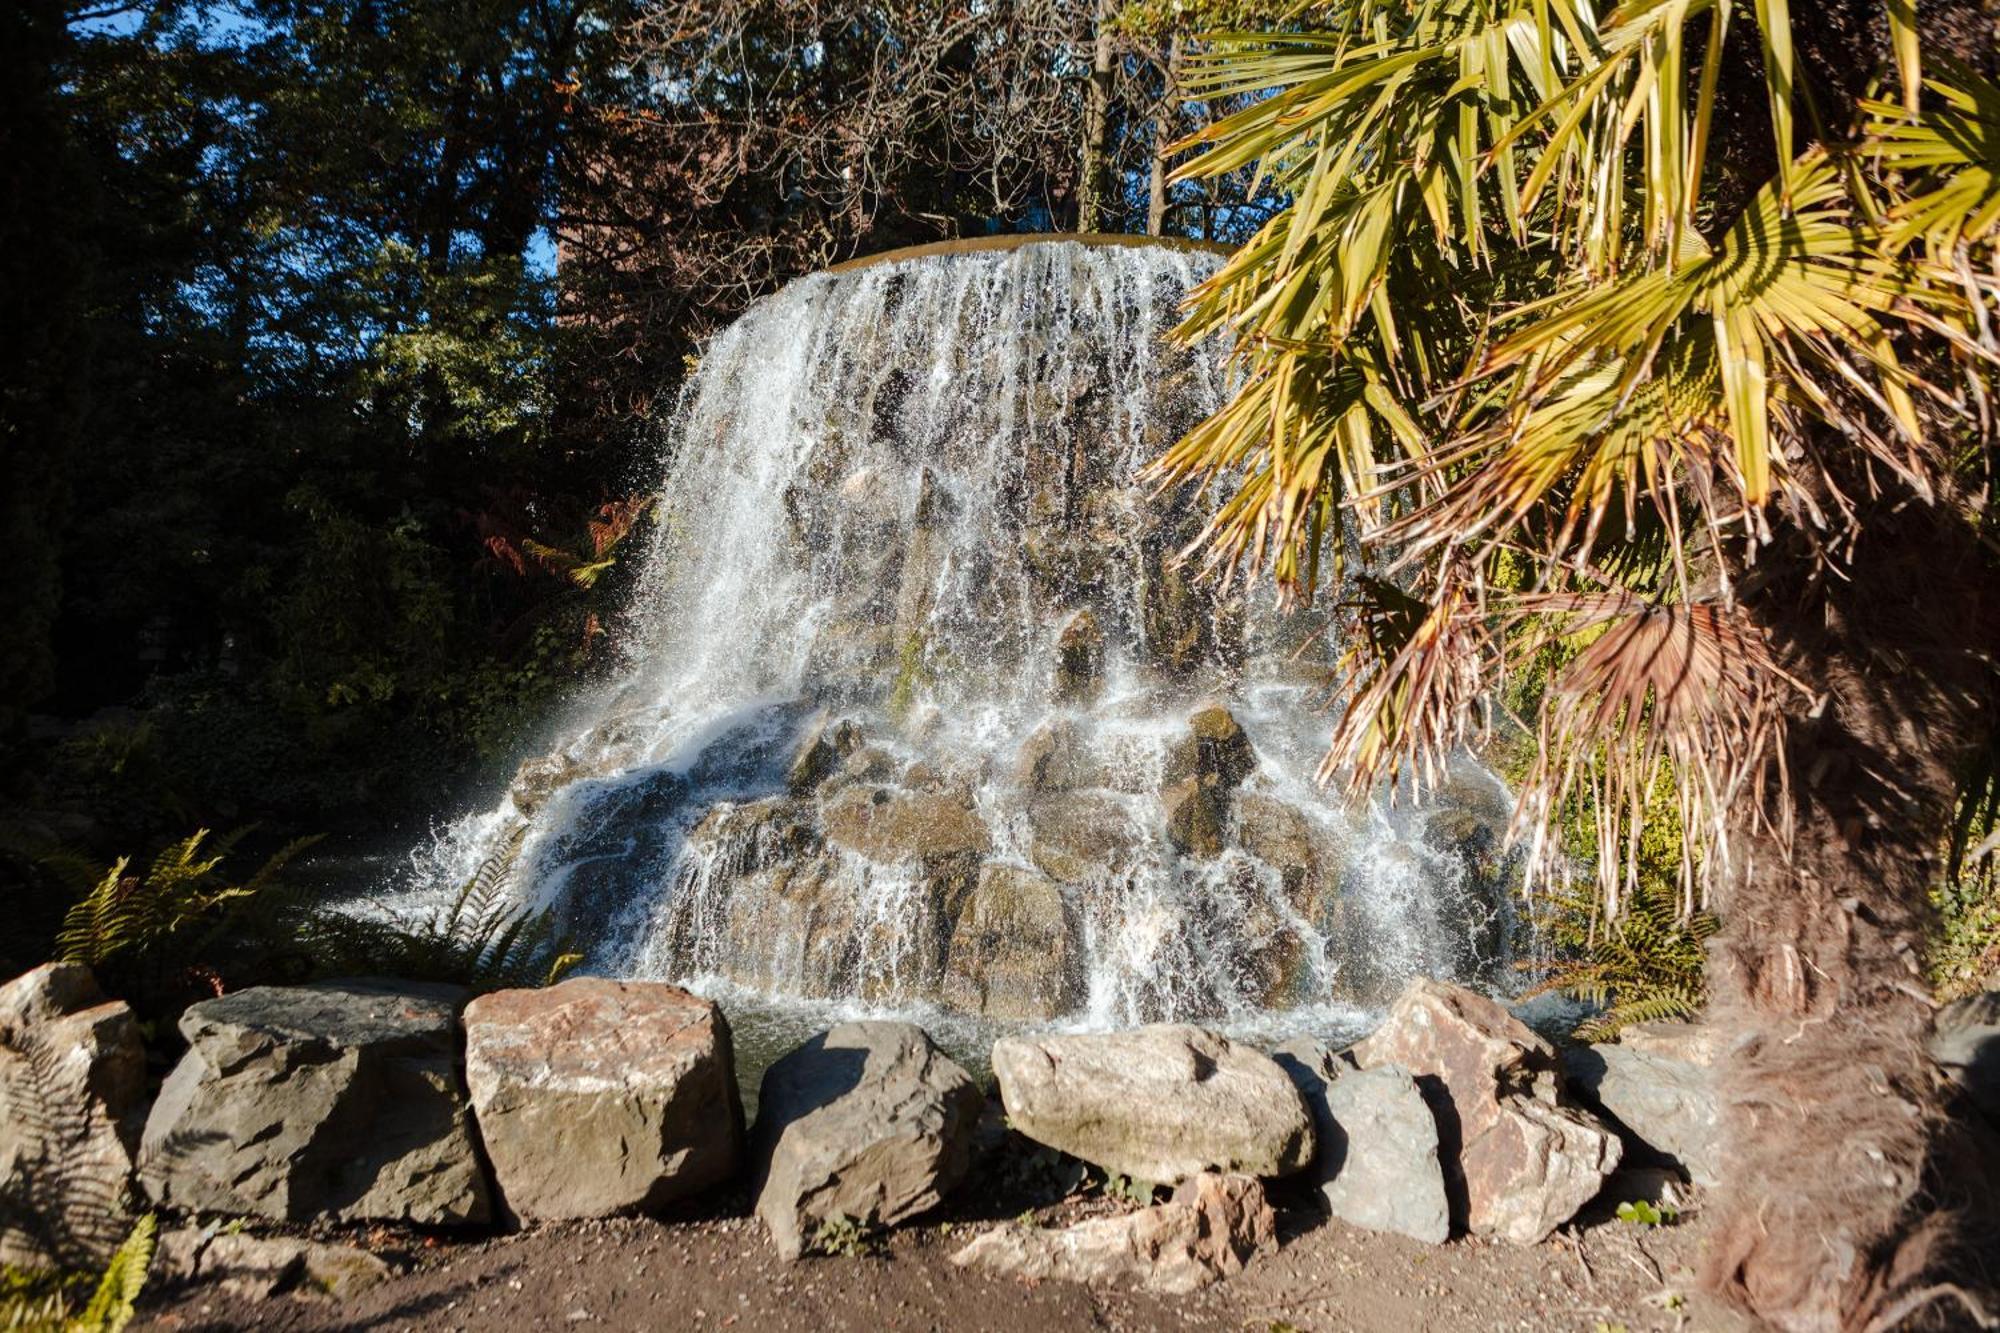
x,y
1194,825
72,1096
824,744
597,1097
1052,759
340,1100
1697,1044
1519,1159
1079,659
1667,1104
1158,1103
1209,1230
259,1267
890,825
1081,837
1378,1164
1966,1046
868,1123
1280,835
1215,750
1012,954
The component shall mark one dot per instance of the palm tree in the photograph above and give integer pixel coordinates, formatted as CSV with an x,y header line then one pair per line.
x,y
1664,336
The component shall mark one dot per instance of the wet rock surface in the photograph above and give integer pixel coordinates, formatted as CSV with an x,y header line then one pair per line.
x,y
868,1124
72,1096
596,1097
340,1100
1520,1158
1012,954
1158,1103
1211,1228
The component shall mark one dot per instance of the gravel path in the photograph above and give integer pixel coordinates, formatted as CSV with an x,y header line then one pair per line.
x,y
720,1273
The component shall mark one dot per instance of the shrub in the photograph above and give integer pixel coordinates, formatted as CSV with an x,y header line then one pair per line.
x,y
1643,965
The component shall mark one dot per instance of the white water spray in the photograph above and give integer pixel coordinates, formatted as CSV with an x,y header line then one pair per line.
x,y
901,536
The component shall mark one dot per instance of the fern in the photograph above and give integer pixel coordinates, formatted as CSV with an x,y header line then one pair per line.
x,y
1645,965
117,1295
43,1301
479,939
128,914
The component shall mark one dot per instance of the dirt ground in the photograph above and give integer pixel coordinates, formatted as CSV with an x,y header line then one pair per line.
x,y
719,1272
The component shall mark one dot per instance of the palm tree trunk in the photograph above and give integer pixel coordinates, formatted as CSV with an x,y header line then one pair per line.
x,y
1840,1198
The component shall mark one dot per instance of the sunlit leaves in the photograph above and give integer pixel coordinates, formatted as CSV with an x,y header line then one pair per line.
x,y
1956,145
1505,345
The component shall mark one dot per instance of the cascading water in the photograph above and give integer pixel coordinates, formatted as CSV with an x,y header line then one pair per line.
x,y
927,717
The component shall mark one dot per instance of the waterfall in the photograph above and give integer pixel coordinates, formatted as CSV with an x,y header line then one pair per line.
x,y
927,715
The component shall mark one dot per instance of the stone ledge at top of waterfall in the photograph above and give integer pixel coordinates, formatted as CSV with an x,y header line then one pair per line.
x,y
972,245
923,711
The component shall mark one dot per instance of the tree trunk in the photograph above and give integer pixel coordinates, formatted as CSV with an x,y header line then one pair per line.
x,y
1092,186
1850,1187
1163,134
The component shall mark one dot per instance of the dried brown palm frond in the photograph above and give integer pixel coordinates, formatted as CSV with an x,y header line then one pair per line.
x,y
1418,673
1690,687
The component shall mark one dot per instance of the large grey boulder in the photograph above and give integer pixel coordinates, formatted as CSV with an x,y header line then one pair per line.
x,y
1967,1046
340,1100
1378,1164
1158,1103
1209,1230
598,1097
867,1123
1698,1044
1666,1102
1520,1158
72,1095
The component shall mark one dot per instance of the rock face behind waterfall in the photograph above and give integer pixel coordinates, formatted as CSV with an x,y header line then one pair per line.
x,y
926,709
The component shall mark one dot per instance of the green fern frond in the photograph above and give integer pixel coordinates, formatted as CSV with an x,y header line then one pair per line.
x,y
478,938
117,1296
1645,965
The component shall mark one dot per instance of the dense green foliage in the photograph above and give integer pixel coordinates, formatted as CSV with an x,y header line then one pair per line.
x,y
184,927
292,426
322,487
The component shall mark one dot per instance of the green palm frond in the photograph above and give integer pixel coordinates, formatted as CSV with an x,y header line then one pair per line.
x,y
1504,340
1953,146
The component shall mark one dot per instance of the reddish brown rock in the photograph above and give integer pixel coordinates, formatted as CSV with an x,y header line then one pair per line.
x,y
1520,1160
1212,1227
598,1097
